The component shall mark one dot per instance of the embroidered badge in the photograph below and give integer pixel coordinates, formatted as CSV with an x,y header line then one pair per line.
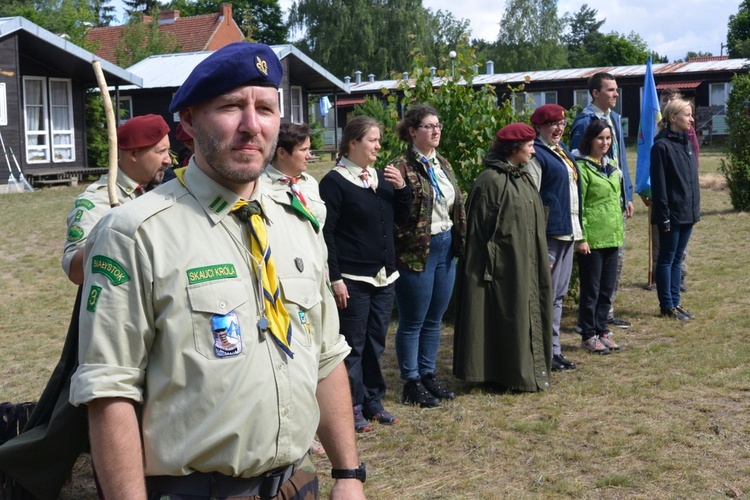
x,y
79,214
83,202
299,263
227,336
210,273
109,268
261,65
306,324
75,233
94,295
218,204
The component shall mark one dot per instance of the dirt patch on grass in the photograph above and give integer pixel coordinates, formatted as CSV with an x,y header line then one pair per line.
x,y
714,182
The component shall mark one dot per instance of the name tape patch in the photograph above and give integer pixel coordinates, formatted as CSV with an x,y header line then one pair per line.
x,y
210,273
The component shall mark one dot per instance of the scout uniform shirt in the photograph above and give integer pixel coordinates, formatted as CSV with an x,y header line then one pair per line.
x,y
307,184
88,208
171,317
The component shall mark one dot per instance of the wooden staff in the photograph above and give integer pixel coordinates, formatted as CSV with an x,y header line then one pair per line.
x,y
650,249
111,134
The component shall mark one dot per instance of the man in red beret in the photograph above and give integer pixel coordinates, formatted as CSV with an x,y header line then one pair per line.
x,y
556,176
144,156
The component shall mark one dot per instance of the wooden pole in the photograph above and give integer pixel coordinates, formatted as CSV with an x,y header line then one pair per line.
x,y
111,134
650,249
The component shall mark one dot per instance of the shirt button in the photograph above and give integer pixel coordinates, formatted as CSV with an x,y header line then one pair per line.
x,y
222,305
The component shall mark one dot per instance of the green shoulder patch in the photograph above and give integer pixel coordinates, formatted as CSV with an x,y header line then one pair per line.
x,y
83,202
94,295
109,268
79,214
210,273
75,233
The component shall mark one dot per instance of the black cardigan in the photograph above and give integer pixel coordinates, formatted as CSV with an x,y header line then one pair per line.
x,y
359,225
674,181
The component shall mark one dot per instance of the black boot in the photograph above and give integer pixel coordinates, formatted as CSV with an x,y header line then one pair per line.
x,y
416,394
431,383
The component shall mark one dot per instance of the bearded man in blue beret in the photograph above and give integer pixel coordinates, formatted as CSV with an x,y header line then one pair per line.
x,y
210,352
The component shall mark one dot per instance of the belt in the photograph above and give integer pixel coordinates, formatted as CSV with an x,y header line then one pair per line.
x,y
213,484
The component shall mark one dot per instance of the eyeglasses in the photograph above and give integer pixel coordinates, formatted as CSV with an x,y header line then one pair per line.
x,y
557,124
432,126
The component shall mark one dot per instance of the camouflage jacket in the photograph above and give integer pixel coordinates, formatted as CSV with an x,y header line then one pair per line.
x,y
413,237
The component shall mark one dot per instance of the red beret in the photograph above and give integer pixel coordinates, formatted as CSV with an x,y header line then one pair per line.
x,y
548,113
516,132
141,132
181,135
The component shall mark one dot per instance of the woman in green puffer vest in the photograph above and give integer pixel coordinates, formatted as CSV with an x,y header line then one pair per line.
x,y
601,190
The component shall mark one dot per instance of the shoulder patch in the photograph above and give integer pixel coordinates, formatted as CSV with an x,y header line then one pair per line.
x,y
109,268
210,273
83,202
75,233
94,295
79,214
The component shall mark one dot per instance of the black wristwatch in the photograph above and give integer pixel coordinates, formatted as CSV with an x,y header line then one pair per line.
x,y
358,473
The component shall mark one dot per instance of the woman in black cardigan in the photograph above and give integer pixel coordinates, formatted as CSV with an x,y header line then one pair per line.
x,y
362,204
675,195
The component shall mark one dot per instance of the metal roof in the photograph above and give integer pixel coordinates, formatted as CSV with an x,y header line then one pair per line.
x,y
56,52
557,75
171,70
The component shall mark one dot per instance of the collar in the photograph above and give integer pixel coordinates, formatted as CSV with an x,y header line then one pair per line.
x,y
600,112
125,183
431,156
274,174
355,169
216,200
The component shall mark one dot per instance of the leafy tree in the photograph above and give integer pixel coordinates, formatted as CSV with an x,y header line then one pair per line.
x,y
529,37
259,20
104,11
736,168
582,36
621,50
443,33
140,40
471,116
140,6
738,33
69,17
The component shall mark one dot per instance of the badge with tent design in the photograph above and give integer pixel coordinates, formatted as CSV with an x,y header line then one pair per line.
x,y
226,334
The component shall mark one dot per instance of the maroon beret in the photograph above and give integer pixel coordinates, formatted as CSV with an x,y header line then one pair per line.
x,y
516,132
548,113
181,135
141,132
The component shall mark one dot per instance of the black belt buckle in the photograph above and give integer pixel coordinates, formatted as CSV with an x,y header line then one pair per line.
x,y
272,482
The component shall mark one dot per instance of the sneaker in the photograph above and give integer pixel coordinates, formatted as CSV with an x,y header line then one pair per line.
x,y
594,346
674,313
619,323
606,340
431,383
685,312
360,423
650,287
416,394
559,359
384,417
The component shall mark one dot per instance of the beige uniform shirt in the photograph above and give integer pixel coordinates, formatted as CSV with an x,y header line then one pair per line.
x,y
88,208
307,184
162,276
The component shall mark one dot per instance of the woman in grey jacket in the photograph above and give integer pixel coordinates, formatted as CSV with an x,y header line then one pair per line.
x,y
676,202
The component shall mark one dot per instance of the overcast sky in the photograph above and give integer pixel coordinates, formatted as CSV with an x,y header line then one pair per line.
x,y
671,28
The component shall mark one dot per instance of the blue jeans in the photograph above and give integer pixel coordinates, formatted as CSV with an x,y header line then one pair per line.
x,y
672,246
422,299
364,324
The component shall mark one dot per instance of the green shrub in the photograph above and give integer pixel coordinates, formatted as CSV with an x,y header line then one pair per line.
x,y
736,169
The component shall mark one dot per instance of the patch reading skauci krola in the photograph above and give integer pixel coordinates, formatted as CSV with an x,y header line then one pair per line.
x,y
109,268
210,273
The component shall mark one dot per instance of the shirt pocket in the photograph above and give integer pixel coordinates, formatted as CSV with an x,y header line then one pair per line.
x,y
210,302
303,299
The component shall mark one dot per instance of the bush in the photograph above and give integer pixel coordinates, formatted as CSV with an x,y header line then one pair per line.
x,y
736,169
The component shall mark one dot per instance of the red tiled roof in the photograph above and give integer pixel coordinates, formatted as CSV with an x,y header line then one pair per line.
x,y
678,85
192,34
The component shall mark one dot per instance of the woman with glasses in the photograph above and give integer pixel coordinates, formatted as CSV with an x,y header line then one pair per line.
x,y
426,247
556,177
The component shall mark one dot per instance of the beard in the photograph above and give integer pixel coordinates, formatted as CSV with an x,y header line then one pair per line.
x,y
216,156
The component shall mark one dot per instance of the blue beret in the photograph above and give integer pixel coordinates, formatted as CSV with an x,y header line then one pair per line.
x,y
236,64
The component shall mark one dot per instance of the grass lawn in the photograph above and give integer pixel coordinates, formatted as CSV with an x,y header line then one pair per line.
x,y
665,418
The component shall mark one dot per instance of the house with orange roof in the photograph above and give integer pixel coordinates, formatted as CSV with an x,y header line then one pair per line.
x,y
191,34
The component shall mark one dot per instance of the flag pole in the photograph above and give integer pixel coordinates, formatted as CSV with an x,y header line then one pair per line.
x,y
650,249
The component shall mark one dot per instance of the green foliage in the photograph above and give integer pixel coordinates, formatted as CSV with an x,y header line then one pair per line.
x,y
140,6
68,17
471,116
376,108
738,32
260,20
582,36
621,50
317,136
141,39
737,167
97,146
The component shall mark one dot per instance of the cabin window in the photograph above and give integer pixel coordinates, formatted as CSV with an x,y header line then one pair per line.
x,y
281,103
297,116
35,115
3,106
61,120
533,99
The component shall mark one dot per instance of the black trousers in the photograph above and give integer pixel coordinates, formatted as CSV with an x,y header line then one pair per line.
x,y
598,276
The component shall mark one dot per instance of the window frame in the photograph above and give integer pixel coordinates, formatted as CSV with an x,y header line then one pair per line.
x,y
44,132
62,132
